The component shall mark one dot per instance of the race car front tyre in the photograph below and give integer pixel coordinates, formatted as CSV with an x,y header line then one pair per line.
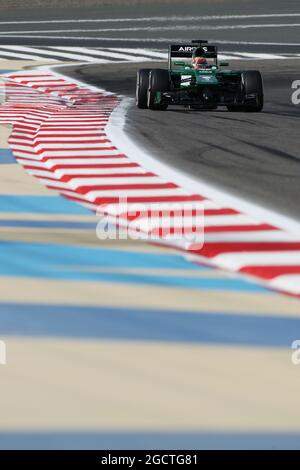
x,y
142,83
159,81
252,93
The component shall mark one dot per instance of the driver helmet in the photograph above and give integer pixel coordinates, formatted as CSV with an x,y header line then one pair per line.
x,y
199,61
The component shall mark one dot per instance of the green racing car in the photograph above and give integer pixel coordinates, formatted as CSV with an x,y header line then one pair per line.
x,y
199,81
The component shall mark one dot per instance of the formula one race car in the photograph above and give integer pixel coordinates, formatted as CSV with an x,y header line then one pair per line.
x,y
197,80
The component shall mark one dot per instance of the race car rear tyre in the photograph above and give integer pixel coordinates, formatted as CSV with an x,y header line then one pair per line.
x,y
159,80
252,93
253,85
142,83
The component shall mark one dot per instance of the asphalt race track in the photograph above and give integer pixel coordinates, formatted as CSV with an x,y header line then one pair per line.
x,y
253,155
241,25
122,343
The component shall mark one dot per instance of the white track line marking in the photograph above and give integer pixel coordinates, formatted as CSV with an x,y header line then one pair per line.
x,y
125,54
156,18
154,40
255,43
290,282
147,52
17,55
115,181
154,28
97,52
94,194
259,258
255,236
254,55
50,53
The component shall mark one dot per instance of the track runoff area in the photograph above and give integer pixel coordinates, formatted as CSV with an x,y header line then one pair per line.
x,y
156,205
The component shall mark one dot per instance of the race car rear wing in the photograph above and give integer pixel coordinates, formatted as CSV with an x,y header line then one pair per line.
x,y
185,51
